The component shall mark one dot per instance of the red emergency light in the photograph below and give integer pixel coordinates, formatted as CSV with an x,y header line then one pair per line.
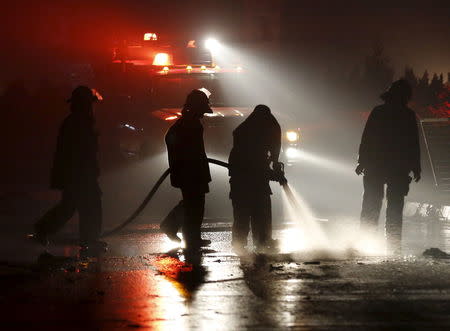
x,y
162,59
171,118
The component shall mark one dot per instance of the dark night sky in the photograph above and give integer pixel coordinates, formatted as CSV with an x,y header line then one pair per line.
x,y
413,32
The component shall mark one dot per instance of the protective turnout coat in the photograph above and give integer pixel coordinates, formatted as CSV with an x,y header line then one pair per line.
x,y
390,142
255,142
75,163
189,168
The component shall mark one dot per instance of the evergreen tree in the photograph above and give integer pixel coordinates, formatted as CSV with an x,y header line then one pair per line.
x,y
424,97
424,81
410,77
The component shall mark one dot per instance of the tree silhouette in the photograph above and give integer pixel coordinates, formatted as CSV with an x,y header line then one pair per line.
x,y
410,77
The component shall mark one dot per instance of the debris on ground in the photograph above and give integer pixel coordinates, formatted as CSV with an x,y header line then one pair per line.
x,y
436,253
274,267
48,262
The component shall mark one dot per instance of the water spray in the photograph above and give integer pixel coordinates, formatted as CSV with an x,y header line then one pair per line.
x,y
297,208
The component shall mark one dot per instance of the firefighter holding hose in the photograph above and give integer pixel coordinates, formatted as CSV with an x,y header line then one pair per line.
x,y
189,168
256,146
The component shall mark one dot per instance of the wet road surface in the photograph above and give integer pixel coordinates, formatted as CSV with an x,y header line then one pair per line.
x,y
143,281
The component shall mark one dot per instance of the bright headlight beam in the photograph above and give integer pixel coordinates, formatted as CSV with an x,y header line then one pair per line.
x,y
292,153
212,44
292,136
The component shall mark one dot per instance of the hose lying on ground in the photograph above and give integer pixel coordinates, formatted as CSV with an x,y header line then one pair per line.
x,y
149,197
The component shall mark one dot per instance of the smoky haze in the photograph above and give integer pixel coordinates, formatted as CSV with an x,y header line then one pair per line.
x,y
300,68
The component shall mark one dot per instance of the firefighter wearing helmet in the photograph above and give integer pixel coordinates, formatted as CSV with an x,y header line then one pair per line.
x,y
75,173
256,147
388,153
189,168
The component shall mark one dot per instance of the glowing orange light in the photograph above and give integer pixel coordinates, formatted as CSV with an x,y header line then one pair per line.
x,y
96,94
171,118
150,36
165,70
203,68
189,68
161,59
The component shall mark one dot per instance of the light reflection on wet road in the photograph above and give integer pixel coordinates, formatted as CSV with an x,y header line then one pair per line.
x,y
141,283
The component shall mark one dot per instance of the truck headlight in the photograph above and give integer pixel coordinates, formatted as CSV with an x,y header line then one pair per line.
x,y
292,153
292,136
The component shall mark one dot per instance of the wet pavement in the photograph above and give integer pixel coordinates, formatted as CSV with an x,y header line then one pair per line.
x,y
143,281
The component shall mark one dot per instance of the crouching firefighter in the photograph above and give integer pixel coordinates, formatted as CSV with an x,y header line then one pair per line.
x,y
256,146
189,168
75,172
388,153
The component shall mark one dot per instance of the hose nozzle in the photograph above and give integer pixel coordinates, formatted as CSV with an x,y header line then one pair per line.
x,y
278,173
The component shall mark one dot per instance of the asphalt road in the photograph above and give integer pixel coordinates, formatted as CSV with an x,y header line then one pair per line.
x,y
143,281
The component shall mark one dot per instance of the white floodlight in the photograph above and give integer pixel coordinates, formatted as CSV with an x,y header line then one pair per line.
x,y
212,44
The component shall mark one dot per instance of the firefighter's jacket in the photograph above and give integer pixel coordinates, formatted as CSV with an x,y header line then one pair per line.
x,y
189,168
390,141
256,142
75,164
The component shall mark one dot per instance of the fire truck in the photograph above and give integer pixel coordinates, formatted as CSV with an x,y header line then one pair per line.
x,y
155,76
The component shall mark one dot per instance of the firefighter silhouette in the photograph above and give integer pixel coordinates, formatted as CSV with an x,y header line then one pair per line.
x,y
388,153
189,168
256,145
75,172
173,222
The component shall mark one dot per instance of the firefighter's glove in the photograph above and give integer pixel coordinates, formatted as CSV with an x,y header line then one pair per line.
x,y
416,174
359,169
278,170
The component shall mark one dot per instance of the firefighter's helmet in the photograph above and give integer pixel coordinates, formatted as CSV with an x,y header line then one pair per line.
x,y
399,89
83,94
197,101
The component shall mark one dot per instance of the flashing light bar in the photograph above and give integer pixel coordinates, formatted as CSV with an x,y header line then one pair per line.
x,y
150,36
195,69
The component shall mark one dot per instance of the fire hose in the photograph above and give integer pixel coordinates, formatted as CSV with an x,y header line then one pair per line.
x,y
149,196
